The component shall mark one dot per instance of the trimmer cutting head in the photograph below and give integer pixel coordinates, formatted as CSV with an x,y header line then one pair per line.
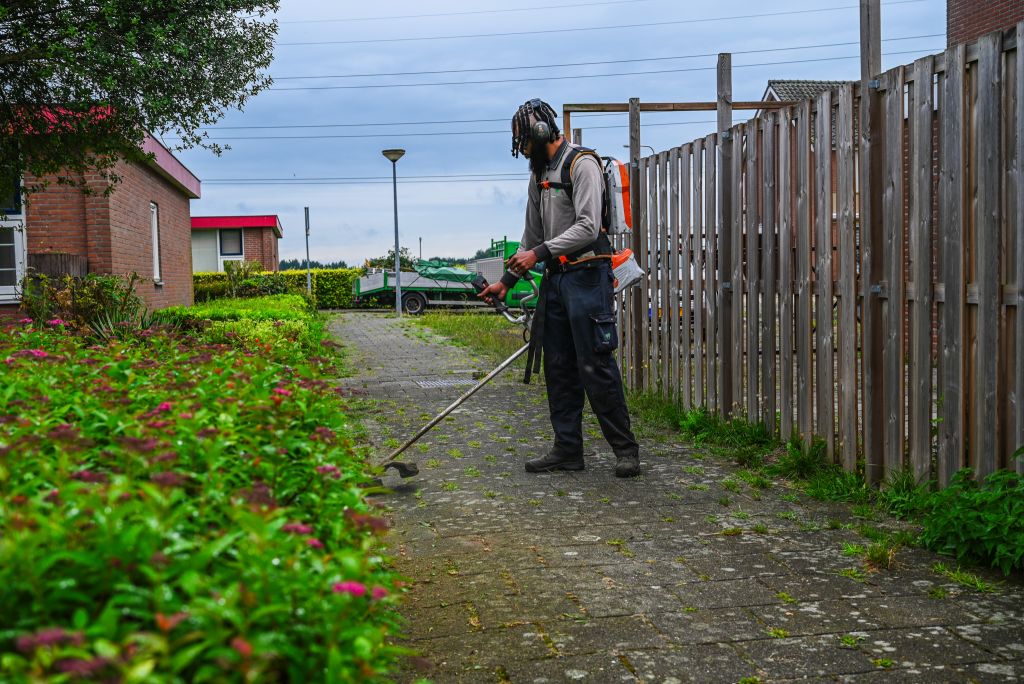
x,y
404,469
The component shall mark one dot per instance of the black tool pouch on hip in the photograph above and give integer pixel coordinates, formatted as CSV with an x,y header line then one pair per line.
x,y
605,338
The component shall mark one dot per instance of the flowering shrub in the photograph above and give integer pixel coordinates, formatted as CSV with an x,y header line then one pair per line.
x,y
178,510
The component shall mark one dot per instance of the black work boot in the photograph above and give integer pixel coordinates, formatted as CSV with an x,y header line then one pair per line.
x,y
554,461
627,466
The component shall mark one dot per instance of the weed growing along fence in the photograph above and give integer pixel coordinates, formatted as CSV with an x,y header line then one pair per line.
x,y
895,338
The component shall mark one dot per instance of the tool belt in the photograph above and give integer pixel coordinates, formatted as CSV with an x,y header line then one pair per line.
x,y
598,252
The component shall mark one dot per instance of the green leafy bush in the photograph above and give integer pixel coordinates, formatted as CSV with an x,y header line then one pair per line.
x,y
332,288
106,305
979,522
174,510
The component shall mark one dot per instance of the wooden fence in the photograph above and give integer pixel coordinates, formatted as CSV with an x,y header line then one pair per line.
x,y
898,341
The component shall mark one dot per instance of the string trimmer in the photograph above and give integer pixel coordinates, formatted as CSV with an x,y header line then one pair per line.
x,y
627,272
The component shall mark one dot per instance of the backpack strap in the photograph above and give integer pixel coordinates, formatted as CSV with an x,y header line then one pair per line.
x,y
571,157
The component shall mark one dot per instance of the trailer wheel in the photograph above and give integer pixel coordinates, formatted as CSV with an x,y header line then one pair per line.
x,y
414,303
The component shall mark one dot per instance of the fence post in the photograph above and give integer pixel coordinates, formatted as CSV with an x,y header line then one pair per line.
x,y
637,202
871,235
726,288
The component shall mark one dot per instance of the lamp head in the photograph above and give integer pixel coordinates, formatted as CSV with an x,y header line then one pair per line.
x,y
393,155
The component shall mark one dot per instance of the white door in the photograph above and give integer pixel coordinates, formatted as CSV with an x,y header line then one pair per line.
x,y
12,259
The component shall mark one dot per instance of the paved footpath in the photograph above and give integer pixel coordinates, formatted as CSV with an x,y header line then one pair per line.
x,y
582,577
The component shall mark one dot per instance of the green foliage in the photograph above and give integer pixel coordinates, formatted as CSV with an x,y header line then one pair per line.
x,y
800,461
239,271
964,578
332,288
282,326
748,443
300,265
405,260
979,522
104,305
175,510
84,82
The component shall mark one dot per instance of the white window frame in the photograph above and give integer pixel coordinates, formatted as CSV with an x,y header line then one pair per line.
x,y
154,228
221,258
9,294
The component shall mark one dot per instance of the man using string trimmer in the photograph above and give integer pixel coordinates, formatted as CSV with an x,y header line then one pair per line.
x,y
568,215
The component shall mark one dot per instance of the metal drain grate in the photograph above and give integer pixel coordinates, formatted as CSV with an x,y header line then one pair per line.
x,y
438,384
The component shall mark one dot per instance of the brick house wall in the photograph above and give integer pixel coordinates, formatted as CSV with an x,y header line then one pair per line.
x,y
114,232
131,236
261,246
967,20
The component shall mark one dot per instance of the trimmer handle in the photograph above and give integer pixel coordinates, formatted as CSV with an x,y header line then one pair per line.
x,y
480,284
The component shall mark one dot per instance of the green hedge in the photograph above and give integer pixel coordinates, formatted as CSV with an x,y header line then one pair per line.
x,y
332,287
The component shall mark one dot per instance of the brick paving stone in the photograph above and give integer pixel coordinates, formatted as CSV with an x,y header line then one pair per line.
x,y
582,577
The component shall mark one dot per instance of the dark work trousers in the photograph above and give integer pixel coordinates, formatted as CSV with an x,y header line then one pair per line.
x,y
579,341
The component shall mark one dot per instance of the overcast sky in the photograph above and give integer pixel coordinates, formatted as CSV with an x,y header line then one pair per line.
x,y
334,128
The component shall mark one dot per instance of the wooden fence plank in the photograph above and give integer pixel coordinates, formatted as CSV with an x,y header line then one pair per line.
x,y
698,246
803,339
786,263
645,287
987,238
657,273
1017,405
952,208
669,278
736,269
712,285
768,306
892,305
847,281
682,300
824,380
751,185
922,179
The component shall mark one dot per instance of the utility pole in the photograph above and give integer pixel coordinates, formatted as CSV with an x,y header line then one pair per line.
x,y
309,273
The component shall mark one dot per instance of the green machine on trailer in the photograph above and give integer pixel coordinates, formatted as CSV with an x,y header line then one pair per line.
x,y
435,283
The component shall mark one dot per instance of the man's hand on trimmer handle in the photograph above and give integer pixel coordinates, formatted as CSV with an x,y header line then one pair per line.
x,y
493,293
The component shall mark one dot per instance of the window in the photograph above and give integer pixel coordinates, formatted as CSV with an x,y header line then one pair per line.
x,y
10,202
231,242
154,226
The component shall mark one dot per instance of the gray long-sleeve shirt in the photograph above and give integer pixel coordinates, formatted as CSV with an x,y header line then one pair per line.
x,y
556,225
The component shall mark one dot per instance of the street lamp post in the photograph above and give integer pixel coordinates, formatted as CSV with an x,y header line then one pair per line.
x,y
393,156
647,146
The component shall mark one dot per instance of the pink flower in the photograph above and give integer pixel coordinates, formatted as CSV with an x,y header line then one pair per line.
x,y
353,588
164,406
55,322
168,478
315,543
38,353
243,647
283,392
297,528
378,593
331,470
89,476
185,416
25,321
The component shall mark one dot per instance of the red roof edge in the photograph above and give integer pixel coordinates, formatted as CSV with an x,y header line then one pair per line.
x,y
168,166
262,221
